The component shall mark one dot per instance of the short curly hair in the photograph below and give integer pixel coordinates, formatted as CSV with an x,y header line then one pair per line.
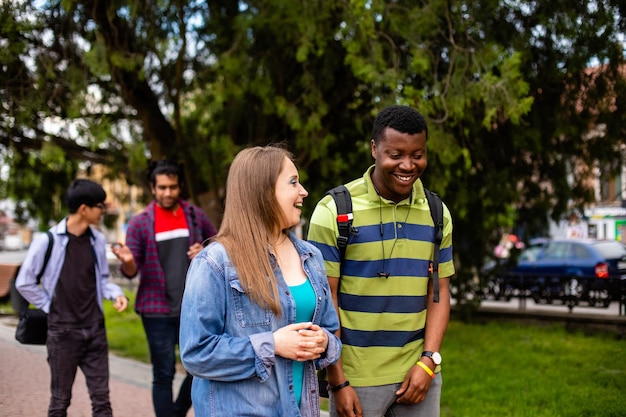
x,y
164,167
404,119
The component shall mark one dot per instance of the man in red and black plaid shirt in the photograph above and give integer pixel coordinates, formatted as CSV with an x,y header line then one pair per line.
x,y
160,243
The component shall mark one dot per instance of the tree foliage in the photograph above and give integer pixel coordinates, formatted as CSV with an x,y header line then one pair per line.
x,y
505,86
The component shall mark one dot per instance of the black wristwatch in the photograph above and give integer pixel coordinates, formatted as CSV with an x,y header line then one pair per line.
x,y
435,356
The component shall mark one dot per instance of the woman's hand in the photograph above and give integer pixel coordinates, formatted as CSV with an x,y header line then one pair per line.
x,y
300,341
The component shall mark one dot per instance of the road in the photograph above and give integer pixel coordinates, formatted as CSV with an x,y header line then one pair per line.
x,y
531,307
12,256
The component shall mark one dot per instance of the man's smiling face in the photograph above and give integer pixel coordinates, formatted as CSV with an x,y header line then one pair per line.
x,y
400,161
166,191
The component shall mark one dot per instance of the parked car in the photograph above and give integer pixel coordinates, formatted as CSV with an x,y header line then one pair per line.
x,y
498,285
573,270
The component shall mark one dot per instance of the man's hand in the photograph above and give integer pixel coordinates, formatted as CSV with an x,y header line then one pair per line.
x,y
121,302
124,254
194,250
414,387
347,403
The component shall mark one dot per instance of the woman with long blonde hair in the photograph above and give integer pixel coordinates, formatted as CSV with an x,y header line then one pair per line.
x,y
257,317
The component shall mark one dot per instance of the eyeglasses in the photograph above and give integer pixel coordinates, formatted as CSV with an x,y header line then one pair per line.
x,y
101,206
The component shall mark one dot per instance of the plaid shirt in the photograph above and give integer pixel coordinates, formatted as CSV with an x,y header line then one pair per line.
x,y
151,295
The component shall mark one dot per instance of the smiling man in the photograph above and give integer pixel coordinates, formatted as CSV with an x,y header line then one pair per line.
x,y
161,241
391,327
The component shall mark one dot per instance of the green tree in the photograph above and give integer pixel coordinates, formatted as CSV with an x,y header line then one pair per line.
x,y
504,84
573,61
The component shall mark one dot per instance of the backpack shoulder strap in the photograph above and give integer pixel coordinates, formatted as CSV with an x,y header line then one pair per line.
x,y
46,257
343,201
436,212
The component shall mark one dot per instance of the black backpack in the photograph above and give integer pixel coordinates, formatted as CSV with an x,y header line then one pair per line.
x,y
343,201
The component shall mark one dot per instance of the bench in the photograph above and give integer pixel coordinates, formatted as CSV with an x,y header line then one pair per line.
x,y
8,272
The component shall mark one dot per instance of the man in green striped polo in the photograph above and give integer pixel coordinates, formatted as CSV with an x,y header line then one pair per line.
x,y
391,327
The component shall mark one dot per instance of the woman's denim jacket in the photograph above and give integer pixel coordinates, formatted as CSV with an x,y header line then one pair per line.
x,y
227,344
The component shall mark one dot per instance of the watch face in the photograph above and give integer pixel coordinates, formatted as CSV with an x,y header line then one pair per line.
x,y
436,358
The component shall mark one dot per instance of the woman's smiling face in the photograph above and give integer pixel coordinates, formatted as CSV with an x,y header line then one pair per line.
x,y
400,161
290,194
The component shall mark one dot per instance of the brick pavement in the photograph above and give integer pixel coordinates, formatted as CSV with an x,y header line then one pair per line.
x,y
25,377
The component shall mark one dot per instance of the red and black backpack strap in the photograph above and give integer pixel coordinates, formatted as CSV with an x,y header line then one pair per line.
x,y
436,212
343,201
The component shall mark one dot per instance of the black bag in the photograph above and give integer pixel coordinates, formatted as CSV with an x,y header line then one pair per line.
x,y
32,328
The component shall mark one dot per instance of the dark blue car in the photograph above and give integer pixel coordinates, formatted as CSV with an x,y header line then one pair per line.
x,y
573,270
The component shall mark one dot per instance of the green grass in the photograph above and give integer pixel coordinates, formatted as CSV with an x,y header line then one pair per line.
x,y
5,308
504,368
125,331
498,368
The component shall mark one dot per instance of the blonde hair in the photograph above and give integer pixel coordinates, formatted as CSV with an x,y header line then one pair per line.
x,y
252,217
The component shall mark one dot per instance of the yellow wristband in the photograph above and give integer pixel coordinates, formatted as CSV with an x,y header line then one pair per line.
x,y
425,368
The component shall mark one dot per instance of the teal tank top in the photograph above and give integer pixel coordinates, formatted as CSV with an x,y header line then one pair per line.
x,y
304,296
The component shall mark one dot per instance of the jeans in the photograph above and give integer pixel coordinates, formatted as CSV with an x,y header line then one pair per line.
x,y
162,335
380,401
70,349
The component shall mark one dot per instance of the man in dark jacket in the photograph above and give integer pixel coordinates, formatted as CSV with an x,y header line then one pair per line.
x,y
160,243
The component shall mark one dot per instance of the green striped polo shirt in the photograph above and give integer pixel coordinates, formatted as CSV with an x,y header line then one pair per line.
x,y
382,317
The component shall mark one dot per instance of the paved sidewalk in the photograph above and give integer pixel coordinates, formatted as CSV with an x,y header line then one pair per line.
x,y
25,378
